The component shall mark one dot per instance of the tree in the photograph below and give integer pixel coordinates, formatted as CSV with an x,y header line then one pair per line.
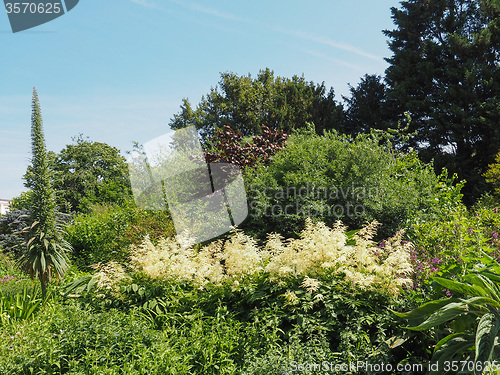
x,y
21,202
86,173
45,250
245,104
492,175
445,72
366,106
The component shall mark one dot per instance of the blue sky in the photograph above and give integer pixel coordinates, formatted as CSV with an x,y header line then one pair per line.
x,y
117,70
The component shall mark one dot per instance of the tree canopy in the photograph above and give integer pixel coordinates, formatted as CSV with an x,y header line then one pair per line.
x,y
245,104
366,106
445,71
85,173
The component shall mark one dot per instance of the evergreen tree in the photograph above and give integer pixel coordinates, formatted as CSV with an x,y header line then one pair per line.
x,y
45,251
366,106
445,73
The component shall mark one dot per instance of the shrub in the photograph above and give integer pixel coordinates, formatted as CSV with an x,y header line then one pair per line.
x,y
297,313
441,246
492,175
227,145
334,177
11,227
105,234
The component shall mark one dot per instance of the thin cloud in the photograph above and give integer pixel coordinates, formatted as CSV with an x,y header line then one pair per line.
x,y
144,3
296,33
210,11
213,12
337,61
328,42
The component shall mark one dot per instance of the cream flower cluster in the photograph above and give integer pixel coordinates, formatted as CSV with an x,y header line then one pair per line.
x,y
318,248
108,275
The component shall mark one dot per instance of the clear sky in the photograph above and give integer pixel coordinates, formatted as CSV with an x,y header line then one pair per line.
x,y
117,70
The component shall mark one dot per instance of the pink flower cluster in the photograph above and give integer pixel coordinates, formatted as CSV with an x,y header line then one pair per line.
x,y
6,279
424,265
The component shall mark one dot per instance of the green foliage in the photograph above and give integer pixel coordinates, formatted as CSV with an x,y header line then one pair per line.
x,y
7,265
87,173
444,71
475,319
349,323
69,339
12,238
105,233
21,202
334,177
366,106
492,175
246,103
45,249
22,306
443,244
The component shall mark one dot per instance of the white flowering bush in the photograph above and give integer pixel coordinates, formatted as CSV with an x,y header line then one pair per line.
x,y
107,277
319,248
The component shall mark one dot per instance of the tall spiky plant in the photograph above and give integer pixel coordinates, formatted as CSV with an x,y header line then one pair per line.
x,y
45,251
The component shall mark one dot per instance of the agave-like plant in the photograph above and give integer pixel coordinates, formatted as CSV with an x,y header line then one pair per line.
x,y
45,255
474,344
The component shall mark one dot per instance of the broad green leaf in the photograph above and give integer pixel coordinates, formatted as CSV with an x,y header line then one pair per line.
x,y
351,233
492,276
451,347
444,314
472,290
484,283
91,283
478,301
76,286
448,338
30,241
43,264
490,263
426,309
487,330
